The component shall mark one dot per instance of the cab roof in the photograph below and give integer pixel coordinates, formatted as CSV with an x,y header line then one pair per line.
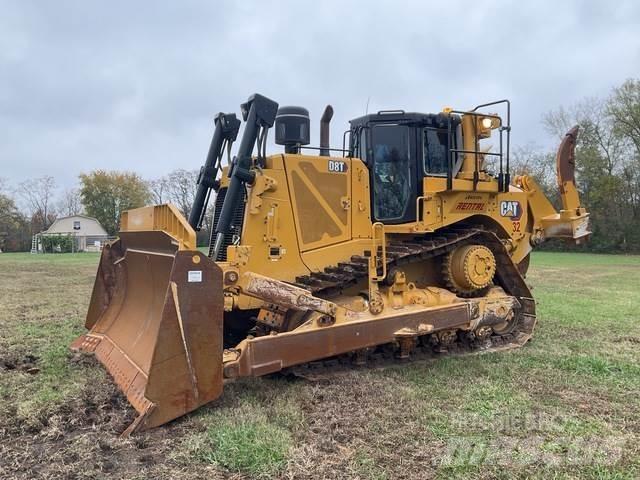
x,y
438,120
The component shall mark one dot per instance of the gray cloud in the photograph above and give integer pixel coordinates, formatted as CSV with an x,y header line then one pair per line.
x,y
129,85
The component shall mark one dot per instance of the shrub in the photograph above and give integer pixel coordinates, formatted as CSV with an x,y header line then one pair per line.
x,y
56,243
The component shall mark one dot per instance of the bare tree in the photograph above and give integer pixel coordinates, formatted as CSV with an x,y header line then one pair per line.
x,y
70,203
159,190
181,189
530,160
624,108
596,128
38,194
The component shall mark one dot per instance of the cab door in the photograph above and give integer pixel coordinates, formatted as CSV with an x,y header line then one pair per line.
x,y
391,153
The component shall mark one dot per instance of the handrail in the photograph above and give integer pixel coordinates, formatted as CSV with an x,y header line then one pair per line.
x,y
418,200
504,174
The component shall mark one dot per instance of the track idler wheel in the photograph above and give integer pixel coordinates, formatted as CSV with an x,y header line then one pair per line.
x,y
469,269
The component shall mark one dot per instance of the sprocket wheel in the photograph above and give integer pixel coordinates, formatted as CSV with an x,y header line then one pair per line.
x,y
469,270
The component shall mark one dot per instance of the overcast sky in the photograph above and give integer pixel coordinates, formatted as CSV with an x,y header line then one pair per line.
x,y
135,85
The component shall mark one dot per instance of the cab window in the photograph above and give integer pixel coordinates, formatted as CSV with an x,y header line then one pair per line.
x,y
363,145
391,171
359,143
435,151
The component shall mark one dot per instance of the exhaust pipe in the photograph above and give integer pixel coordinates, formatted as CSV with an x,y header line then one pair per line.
x,y
324,130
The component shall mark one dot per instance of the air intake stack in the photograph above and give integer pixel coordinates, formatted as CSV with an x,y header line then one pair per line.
x,y
292,128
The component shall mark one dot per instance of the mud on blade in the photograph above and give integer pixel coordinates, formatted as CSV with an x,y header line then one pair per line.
x,y
155,323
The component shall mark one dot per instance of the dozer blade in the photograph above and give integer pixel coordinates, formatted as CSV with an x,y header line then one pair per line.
x,y
155,323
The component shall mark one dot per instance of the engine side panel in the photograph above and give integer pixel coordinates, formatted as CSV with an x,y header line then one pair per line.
x,y
320,189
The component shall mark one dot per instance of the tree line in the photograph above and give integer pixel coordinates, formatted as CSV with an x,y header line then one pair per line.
x,y
607,174
33,205
607,165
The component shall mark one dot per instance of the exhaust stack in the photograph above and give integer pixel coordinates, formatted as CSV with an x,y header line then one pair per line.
x,y
324,130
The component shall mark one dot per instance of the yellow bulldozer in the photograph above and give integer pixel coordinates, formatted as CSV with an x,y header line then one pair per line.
x,y
410,240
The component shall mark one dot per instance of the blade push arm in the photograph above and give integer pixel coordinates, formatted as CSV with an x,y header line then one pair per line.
x,y
259,114
225,133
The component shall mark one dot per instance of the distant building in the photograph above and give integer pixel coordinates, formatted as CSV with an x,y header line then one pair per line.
x,y
87,233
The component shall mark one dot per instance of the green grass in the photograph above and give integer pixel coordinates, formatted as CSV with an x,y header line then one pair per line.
x,y
42,306
564,406
252,431
367,467
50,259
58,379
575,385
255,446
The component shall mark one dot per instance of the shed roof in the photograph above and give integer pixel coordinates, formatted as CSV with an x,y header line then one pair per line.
x,y
90,226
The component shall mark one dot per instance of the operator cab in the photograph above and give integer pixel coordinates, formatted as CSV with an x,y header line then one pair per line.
x,y
400,149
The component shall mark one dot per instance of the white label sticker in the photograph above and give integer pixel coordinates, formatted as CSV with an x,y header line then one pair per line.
x,y
337,166
194,276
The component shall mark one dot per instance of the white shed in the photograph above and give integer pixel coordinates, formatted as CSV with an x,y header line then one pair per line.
x,y
87,232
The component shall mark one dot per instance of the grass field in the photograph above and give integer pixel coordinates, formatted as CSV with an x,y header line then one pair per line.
x,y
565,406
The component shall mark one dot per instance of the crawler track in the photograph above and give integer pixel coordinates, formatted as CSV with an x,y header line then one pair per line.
x,y
334,279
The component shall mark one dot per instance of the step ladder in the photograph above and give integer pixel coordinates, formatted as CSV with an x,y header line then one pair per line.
x,y
34,244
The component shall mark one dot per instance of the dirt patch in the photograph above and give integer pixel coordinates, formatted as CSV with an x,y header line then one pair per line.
x,y
629,339
81,439
26,363
356,423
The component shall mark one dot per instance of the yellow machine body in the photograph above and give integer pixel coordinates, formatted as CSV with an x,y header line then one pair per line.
x,y
312,275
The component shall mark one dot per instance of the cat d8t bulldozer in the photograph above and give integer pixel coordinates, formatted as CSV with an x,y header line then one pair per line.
x,y
411,239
